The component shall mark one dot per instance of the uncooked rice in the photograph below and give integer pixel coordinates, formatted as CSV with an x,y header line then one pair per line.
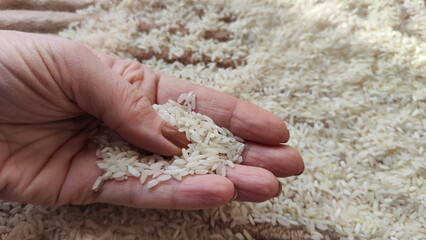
x,y
347,76
211,149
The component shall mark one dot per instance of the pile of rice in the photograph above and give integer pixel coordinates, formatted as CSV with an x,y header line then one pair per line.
x,y
349,77
211,150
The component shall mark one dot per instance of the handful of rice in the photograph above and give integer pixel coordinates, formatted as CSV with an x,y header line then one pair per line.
x,y
211,150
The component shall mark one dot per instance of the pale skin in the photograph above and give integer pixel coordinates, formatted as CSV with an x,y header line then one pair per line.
x,y
54,92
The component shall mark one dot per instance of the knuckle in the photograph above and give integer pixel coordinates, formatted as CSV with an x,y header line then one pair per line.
x,y
137,108
138,105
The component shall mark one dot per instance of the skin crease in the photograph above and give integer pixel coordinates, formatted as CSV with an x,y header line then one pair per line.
x,y
54,92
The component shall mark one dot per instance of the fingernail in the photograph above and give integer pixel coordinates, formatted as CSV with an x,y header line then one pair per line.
x,y
280,187
303,169
174,136
235,194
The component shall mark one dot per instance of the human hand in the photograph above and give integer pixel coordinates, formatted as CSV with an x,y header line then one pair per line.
x,y
52,93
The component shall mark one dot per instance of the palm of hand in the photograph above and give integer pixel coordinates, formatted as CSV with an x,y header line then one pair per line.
x,y
43,135
50,161
46,161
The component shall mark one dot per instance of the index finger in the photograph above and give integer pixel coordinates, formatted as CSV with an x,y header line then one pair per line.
x,y
242,118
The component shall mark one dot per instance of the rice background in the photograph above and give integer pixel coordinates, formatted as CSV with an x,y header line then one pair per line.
x,y
347,76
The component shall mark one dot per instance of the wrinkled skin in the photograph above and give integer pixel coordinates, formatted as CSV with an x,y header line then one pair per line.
x,y
54,92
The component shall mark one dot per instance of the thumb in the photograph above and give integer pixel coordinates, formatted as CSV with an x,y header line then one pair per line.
x,y
121,106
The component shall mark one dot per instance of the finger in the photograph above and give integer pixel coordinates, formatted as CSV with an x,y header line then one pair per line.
x,y
253,184
242,118
193,192
57,5
281,160
37,21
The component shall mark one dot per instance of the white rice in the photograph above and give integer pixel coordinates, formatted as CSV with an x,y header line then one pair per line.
x,y
211,149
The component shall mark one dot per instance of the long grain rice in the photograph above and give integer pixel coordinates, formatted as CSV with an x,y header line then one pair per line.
x,y
209,148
